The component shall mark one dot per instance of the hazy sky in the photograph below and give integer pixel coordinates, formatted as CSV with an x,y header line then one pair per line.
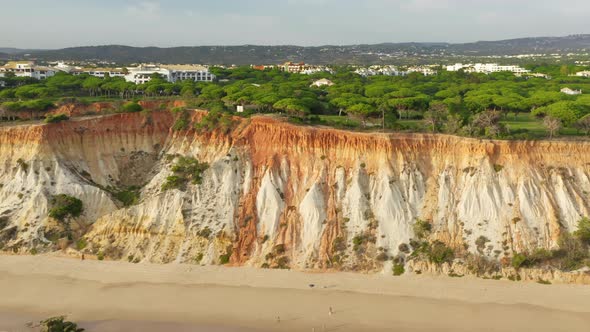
x,y
63,23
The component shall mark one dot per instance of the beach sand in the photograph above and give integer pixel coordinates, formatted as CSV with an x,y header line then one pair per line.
x,y
117,296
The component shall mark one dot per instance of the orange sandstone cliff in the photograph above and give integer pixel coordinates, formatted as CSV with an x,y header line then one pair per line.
x,y
280,195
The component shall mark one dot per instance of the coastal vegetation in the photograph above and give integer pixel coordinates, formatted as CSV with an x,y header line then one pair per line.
x,y
185,170
64,206
499,105
58,324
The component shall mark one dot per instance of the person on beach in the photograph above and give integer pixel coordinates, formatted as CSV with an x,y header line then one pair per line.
x,y
82,257
330,311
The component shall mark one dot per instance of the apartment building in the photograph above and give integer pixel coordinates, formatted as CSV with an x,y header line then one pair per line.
x,y
28,69
171,73
487,68
100,72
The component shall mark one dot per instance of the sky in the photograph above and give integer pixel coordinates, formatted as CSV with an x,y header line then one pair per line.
x,y
166,23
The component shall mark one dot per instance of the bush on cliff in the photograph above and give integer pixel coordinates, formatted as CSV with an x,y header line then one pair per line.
x,y
583,232
131,107
64,206
439,253
398,269
185,169
56,118
129,196
182,119
573,252
215,120
422,229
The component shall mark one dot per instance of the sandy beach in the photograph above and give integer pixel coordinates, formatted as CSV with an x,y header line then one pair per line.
x,y
117,296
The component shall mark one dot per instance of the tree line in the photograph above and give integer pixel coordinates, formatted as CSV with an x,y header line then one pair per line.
x,y
453,102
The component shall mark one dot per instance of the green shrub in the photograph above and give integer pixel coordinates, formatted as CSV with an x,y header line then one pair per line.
x,y
186,169
224,259
439,253
583,232
519,260
422,229
100,256
173,182
56,118
572,253
398,269
215,120
128,197
182,119
59,324
182,123
360,241
65,206
131,107
81,244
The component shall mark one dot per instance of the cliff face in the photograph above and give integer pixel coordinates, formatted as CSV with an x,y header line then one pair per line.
x,y
281,195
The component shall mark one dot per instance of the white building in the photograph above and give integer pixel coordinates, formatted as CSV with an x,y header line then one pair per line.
x,y
99,72
487,68
380,70
585,73
27,69
365,72
571,92
391,71
426,71
172,73
456,67
2,83
322,82
189,72
300,68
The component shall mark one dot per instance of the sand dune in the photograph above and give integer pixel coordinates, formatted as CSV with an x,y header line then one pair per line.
x,y
116,296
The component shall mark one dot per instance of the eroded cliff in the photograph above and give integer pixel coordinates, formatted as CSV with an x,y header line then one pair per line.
x,y
276,194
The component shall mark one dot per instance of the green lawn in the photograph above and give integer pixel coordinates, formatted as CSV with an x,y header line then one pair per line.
x,y
339,121
525,121
535,126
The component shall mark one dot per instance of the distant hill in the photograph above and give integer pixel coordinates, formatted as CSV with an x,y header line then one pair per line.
x,y
11,50
329,54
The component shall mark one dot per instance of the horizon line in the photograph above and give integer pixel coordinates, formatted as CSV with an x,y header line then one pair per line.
x,y
292,45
